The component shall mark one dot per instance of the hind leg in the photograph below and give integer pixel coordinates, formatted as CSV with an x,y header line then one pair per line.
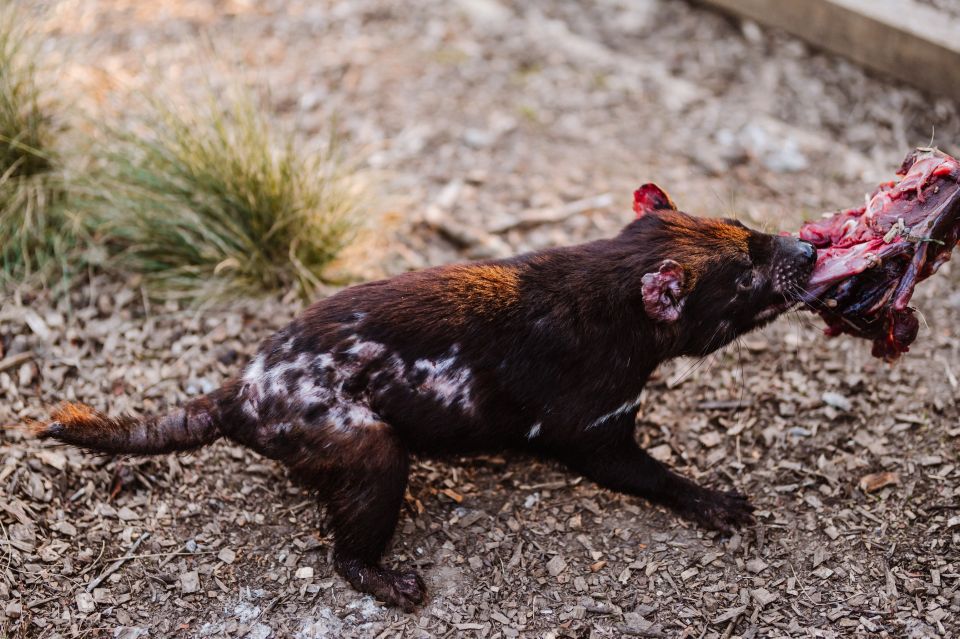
x,y
364,494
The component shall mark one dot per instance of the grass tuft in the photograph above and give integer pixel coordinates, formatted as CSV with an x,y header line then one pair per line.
x,y
210,200
33,227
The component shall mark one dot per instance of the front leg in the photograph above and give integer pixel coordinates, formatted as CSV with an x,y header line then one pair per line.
x,y
610,456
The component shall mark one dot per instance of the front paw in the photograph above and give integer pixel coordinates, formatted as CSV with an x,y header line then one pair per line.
x,y
404,589
716,510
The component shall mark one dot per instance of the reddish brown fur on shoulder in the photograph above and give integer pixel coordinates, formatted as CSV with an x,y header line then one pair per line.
x,y
481,288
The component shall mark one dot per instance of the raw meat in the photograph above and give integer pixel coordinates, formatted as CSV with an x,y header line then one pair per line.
x,y
870,258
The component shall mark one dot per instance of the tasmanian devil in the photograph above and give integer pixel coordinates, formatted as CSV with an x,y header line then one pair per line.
x,y
545,352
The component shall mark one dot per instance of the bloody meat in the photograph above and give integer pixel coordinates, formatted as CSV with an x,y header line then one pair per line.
x,y
870,258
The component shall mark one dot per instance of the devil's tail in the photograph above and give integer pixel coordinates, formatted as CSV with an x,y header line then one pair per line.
x,y
195,424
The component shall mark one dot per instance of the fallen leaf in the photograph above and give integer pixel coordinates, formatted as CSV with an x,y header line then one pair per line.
x,y
452,494
875,481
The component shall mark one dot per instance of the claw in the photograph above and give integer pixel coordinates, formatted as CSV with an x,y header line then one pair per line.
x,y
717,510
405,590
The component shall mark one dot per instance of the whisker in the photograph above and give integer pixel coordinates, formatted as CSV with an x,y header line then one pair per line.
x,y
690,370
683,376
708,351
803,319
798,325
743,382
803,295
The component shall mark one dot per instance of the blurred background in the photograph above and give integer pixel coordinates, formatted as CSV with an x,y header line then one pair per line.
x,y
475,113
200,168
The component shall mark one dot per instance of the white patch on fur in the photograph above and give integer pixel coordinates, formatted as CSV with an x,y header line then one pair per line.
x,y
323,360
446,381
346,415
534,430
321,379
365,350
274,383
252,378
316,386
623,409
254,372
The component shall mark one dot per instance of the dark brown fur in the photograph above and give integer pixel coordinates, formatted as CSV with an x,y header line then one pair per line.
x,y
545,352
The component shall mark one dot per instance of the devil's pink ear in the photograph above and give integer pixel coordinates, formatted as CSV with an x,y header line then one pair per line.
x,y
662,292
649,198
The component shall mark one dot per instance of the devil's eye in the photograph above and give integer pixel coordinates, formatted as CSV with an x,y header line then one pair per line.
x,y
745,283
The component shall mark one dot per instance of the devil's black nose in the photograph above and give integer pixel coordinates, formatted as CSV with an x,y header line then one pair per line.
x,y
807,251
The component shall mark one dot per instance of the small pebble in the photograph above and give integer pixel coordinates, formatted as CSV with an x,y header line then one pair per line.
x,y
85,602
189,582
556,565
304,572
836,400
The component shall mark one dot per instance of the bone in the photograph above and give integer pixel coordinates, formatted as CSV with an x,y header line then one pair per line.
x,y
870,258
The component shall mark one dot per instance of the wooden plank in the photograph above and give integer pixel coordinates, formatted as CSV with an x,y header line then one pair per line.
x,y
902,38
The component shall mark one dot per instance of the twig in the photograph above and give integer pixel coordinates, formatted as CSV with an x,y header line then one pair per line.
x,y
172,554
724,404
93,564
394,626
14,360
943,507
640,632
40,602
552,215
869,515
600,609
115,566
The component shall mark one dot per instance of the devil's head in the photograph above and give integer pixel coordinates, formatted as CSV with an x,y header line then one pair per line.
x,y
707,281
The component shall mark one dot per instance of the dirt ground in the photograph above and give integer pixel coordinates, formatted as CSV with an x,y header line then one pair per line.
x,y
492,128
